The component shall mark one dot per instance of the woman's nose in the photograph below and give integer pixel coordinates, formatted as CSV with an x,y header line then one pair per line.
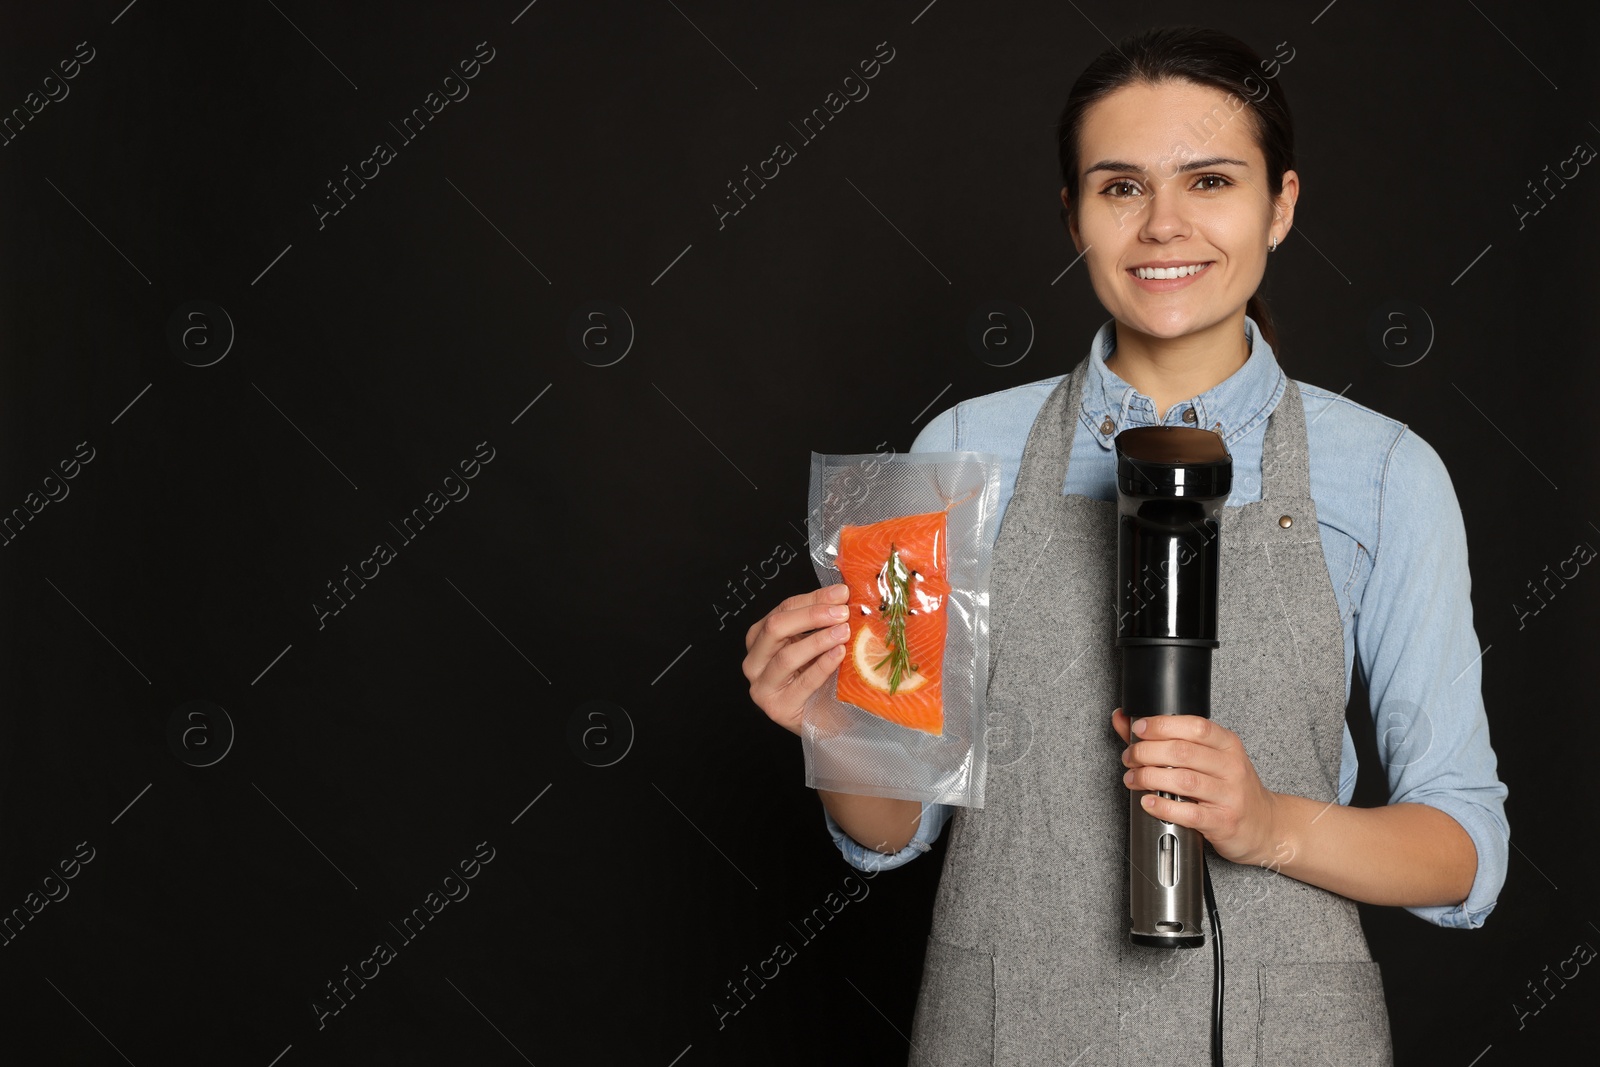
x,y
1165,216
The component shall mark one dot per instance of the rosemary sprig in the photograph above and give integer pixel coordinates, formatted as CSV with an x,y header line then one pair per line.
x,y
894,582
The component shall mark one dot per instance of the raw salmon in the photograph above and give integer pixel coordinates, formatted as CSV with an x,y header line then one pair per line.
x,y
882,594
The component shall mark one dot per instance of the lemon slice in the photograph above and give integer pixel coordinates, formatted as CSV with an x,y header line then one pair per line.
x,y
868,651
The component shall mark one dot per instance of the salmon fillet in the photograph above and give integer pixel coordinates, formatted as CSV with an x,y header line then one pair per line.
x,y
882,594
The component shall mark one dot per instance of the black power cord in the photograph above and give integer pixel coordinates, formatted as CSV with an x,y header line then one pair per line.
x,y
1216,955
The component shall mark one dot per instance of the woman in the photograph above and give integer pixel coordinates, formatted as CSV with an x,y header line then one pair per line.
x,y
1343,547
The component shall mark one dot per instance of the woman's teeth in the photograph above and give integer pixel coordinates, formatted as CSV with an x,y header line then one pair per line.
x,y
1159,273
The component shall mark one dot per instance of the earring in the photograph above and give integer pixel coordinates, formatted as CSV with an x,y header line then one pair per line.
x,y
1273,247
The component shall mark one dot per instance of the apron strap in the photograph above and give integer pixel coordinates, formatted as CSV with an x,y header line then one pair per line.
x,y
1048,452
1284,464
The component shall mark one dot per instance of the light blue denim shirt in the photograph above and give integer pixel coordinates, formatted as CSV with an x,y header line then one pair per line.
x,y
1397,557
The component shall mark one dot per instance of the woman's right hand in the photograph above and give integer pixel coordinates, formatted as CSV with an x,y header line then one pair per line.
x,y
792,650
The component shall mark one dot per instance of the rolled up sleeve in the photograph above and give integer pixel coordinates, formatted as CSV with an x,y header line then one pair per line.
x,y
862,858
1424,669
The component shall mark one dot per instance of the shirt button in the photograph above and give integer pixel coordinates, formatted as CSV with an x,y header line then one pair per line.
x,y
1107,426
1189,415
1286,521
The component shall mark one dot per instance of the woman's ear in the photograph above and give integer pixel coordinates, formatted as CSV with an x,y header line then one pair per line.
x,y
1283,205
1071,218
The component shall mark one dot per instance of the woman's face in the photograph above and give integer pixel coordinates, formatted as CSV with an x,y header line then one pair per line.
x,y
1171,176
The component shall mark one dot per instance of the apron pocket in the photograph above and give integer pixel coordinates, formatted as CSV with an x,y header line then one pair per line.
x,y
1315,1014
954,1021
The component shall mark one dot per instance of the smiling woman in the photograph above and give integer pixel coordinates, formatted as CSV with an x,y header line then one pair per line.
x,y
1342,546
1179,251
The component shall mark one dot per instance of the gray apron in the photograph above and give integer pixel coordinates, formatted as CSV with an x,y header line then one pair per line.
x,y
1028,960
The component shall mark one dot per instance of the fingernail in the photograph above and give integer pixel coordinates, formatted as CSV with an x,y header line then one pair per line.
x,y
1127,779
840,632
838,592
839,611
1147,802
1138,727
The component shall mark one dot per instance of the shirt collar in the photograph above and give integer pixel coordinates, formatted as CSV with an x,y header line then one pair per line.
x,y
1232,407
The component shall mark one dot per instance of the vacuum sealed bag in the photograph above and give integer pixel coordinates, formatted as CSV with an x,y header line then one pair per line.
x,y
912,536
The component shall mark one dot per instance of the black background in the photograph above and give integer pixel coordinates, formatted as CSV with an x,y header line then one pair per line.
x,y
445,705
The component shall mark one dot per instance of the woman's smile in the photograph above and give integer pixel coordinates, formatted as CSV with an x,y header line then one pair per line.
x,y
1168,277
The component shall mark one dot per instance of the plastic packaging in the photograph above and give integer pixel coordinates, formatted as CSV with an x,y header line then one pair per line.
x,y
913,536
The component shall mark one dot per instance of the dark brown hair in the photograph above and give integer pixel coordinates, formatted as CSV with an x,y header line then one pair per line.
x,y
1204,57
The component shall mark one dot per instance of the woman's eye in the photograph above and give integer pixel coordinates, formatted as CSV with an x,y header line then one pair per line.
x,y
1115,188
1219,179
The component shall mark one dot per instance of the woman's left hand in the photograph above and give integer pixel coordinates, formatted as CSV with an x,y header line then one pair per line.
x,y
1205,763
